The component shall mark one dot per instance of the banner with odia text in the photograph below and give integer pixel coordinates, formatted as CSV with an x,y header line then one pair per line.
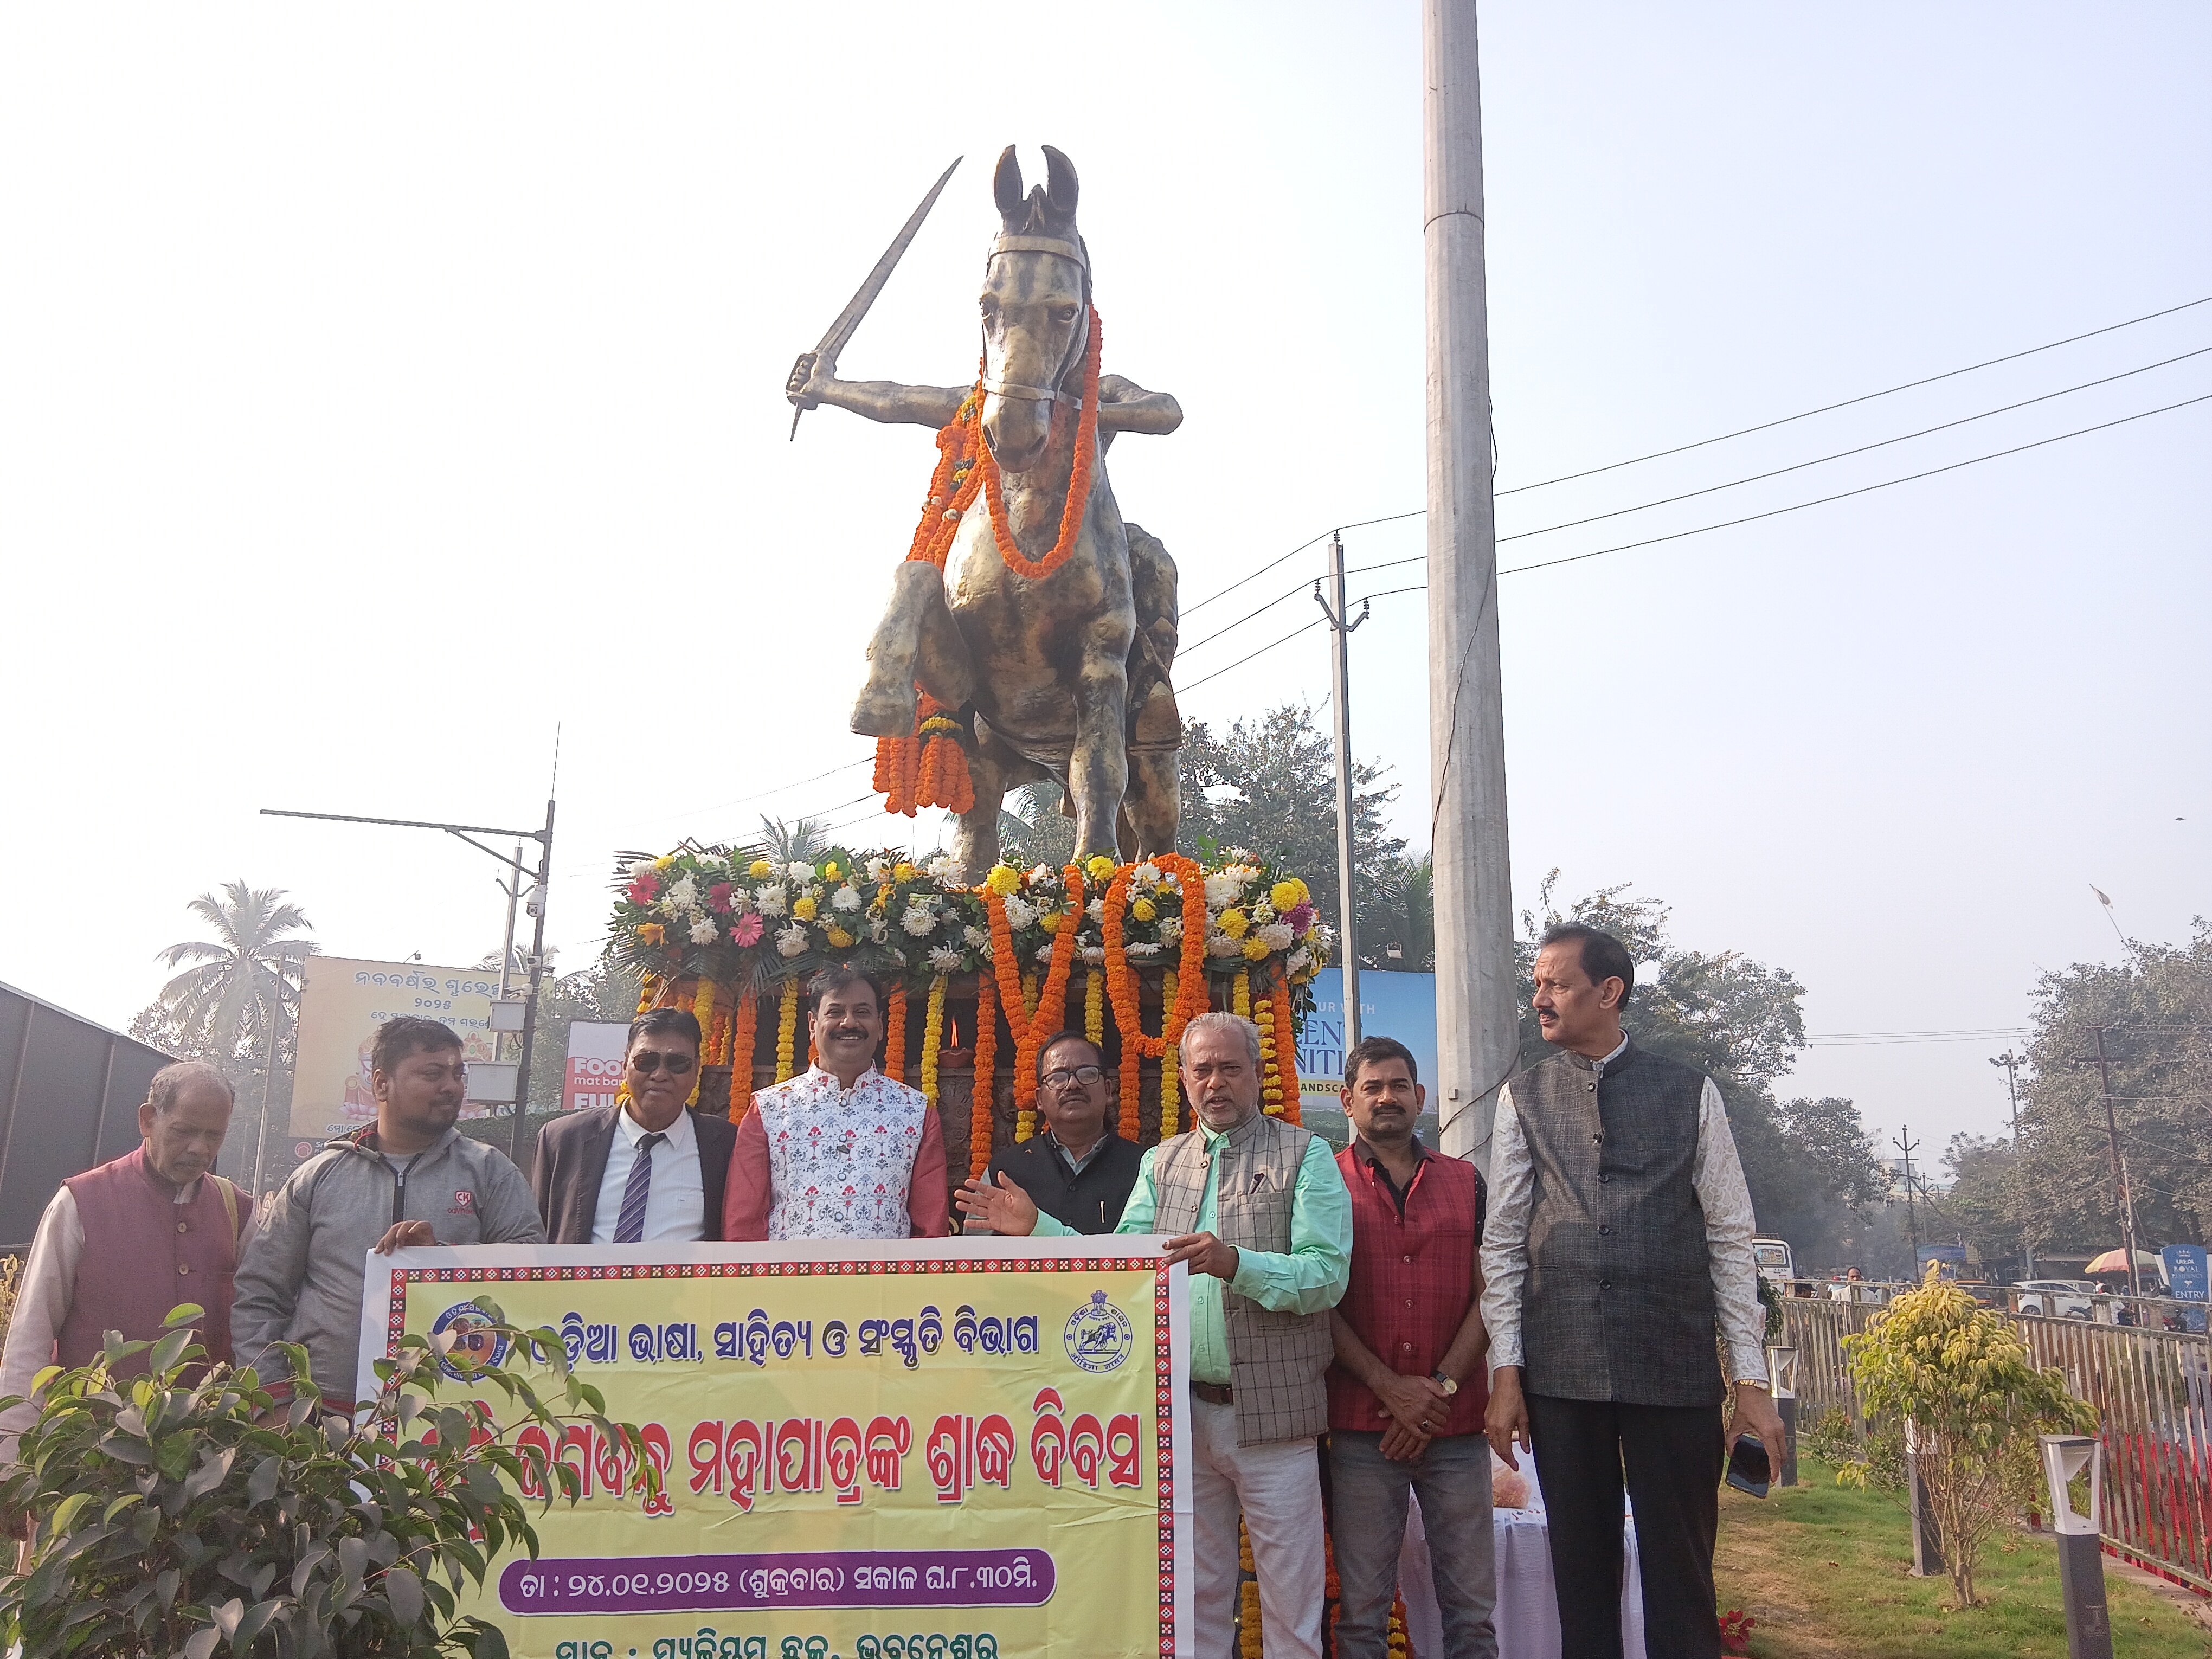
x,y
932,1450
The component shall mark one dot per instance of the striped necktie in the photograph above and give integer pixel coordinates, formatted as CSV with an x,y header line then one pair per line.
x,y
631,1227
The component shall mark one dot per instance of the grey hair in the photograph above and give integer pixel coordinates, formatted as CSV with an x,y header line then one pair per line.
x,y
173,1080
1219,1021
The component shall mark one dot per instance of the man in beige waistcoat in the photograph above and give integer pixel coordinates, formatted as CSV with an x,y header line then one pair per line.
x,y
1258,1210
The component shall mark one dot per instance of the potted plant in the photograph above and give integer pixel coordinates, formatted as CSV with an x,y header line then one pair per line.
x,y
190,1509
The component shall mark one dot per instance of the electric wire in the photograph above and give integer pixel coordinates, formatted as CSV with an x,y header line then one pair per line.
x,y
1991,362
1333,530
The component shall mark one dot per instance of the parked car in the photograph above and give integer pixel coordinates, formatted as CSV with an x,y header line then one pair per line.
x,y
1776,1263
2057,1298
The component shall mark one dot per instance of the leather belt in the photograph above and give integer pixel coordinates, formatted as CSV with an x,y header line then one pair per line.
x,y
1214,1393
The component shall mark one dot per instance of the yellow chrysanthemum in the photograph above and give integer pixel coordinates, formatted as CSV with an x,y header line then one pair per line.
x,y
760,869
1101,868
839,938
1050,922
1235,924
1287,895
903,873
1145,910
1255,948
665,862
803,909
831,871
1004,880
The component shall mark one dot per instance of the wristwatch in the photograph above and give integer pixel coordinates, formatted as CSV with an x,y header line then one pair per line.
x,y
1445,1382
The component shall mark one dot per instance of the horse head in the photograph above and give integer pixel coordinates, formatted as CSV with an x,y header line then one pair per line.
x,y
1036,307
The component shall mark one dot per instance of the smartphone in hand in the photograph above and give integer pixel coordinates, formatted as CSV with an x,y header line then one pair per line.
x,y
1748,1468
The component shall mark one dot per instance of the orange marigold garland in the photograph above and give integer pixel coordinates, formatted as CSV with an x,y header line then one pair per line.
x,y
741,1057
895,1037
1049,1013
983,1115
1286,1049
786,1030
1182,996
1078,483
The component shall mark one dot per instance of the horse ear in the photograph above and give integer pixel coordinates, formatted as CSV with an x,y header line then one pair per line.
x,y
1007,187
1060,187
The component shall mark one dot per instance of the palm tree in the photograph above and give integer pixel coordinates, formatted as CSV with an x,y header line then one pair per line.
x,y
802,842
1402,912
223,1008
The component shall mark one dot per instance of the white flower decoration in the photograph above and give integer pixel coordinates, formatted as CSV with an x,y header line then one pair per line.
x,y
1277,936
1170,929
1146,874
683,895
1223,888
1220,945
1043,872
976,937
880,930
1020,912
1240,855
1094,954
702,931
940,867
790,941
1141,949
771,900
945,958
1263,912
984,949
1096,910
799,870
920,920
1298,960
878,869
846,897
1044,952
1323,938
641,867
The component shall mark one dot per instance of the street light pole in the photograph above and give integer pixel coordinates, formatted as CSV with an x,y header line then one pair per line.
x,y
468,832
2120,1168
1904,1143
2012,1063
1340,626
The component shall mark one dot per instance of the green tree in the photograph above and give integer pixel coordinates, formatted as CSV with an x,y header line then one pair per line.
x,y
1032,829
221,1008
1959,1374
1270,786
1398,919
1808,1162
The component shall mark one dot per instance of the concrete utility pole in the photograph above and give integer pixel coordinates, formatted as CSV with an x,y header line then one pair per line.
x,y
1476,1024
1340,625
1904,1143
2119,1170
2012,1063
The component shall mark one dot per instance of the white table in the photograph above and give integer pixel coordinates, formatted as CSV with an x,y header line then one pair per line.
x,y
1528,1617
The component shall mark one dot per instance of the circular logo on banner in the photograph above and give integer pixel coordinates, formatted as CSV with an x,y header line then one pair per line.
x,y
1098,1334
465,1330
303,1150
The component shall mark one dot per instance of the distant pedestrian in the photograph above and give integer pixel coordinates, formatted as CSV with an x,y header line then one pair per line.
x,y
1407,1393
1079,1170
1619,1237
650,1168
122,1244
411,1178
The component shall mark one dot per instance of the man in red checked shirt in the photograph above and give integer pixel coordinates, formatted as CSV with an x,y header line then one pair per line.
x,y
1407,1393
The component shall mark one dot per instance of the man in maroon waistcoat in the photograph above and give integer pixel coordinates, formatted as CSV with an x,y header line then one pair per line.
x,y
1407,1393
121,1245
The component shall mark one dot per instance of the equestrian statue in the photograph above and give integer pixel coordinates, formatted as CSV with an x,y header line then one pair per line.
x,y
1030,624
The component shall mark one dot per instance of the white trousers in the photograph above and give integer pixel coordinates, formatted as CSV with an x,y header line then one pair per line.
x,y
1277,1489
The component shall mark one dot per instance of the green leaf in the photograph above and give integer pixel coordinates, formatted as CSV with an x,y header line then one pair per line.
x,y
200,1644
263,1485
251,1626
214,1466
226,1616
121,1505
172,1453
405,1591
167,1351
57,1524
482,1641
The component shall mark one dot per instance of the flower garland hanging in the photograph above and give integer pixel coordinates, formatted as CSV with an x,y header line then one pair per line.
x,y
786,1030
1182,996
1271,1075
648,993
932,1038
1286,1049
983,1113
1041,1018
894,1036
1240,993
1094,1008
741,1056
1170,1068
1078,503
702,1010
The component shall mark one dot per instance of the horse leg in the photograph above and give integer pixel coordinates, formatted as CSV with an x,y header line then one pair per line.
x,y
1098,767
993,768
1152,810
917,639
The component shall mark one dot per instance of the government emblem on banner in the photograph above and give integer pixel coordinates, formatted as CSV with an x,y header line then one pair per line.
x,y
464,1330
1098,1335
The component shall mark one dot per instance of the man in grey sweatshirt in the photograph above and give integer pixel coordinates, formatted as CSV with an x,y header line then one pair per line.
x,y
413,1179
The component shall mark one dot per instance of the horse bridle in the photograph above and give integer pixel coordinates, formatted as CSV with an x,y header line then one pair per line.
x,y
1072,252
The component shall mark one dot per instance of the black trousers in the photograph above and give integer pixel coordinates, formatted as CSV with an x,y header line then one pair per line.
x,y
1672,1457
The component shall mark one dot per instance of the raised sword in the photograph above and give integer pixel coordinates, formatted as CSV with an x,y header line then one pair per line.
x,y
825,354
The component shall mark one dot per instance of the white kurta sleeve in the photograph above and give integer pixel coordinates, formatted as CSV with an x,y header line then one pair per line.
x,y
1505,1233
1719,1174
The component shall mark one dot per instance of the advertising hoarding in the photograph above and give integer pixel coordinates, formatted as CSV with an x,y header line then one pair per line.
x,y
595,1064
343,1002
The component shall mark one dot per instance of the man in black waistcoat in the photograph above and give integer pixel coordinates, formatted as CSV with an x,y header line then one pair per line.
x,y
1619,1237
1079,1171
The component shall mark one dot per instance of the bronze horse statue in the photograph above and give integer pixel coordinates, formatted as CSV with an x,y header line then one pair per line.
x,y
1065,675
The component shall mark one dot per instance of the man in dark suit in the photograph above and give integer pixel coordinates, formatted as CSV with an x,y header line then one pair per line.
x,y
649,1168
1079,1171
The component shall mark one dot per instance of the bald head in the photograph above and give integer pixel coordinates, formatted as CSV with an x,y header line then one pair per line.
x,y
185,1119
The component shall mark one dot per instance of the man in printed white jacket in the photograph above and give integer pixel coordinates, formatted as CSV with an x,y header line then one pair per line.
x,y
841,1151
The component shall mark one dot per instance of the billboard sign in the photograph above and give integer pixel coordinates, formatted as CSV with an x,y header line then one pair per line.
x,y
1400,1006
595,1064
2185,1266
342,1004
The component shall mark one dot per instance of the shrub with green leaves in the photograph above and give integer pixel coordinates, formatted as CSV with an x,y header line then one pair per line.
x,y
1959,1372
189,1508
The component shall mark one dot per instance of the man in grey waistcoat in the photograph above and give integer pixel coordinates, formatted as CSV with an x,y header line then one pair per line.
x,y
1258,1209
1619,1237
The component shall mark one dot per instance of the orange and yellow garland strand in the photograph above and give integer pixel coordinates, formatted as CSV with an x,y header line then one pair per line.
x,y
1182,996
1048,1014
741,1056
786,1030
894,1036
1286,1049
982,1114
1078,483
1170,1068
932,1038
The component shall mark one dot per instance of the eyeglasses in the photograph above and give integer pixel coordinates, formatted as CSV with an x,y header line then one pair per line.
x,y
1086,1075
649,1060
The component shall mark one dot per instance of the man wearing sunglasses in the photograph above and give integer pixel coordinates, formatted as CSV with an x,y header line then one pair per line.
x,y
1079,1171
647,1169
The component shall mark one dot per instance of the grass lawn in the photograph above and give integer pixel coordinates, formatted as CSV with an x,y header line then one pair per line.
x,y
1822,1568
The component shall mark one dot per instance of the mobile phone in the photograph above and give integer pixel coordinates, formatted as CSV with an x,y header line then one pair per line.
x,y
1748,1468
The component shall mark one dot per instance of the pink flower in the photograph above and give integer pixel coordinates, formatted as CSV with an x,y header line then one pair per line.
x,y
745,930
718,895
645,889
1299,917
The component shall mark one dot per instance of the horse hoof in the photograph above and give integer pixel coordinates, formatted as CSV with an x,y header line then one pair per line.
x,y
883,712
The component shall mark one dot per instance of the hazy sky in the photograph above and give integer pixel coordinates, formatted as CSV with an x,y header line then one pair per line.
x,y
380,387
